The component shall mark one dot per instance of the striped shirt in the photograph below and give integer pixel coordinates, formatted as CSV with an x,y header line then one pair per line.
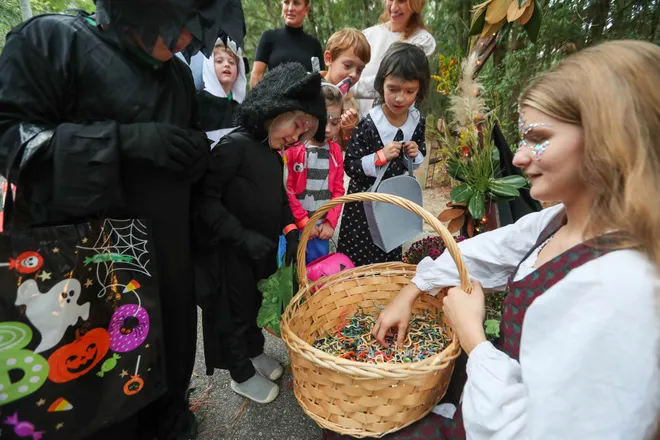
x,y
316,191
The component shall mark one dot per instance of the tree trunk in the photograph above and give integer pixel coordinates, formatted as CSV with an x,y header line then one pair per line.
x,y
655,24
312,22
597,14
26,9
462,32
328,15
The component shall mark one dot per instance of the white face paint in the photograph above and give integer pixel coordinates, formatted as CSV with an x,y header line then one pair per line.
x,y
557,177
524,130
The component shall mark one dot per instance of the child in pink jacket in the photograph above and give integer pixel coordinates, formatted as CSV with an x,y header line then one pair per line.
x,y
316,175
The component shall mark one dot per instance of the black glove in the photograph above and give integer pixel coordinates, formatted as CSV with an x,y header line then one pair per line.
x,y
255,244
292,239
164,146
197,170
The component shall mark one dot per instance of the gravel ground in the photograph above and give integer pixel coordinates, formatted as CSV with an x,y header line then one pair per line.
x,y
222,414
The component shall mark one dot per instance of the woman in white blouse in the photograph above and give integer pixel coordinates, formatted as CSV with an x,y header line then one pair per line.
x,y
579,352
401,21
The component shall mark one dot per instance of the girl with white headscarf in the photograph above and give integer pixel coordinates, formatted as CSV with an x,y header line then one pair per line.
x,y
224,88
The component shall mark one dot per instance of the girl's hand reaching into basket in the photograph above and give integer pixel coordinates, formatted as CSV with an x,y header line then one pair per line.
x,y
467,312
396,314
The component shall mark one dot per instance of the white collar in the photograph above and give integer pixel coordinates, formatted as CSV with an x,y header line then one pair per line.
x,y
387,131
211,82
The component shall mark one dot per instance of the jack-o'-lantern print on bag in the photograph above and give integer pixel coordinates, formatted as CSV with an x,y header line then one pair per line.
x,y
80,330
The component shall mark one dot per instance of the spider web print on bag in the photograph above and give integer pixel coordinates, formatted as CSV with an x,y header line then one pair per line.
x,y
121,246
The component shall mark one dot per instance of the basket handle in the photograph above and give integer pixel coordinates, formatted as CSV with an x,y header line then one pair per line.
x,y
429,218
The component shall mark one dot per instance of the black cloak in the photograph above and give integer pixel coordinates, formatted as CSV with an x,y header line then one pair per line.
x,y
244,189
66,88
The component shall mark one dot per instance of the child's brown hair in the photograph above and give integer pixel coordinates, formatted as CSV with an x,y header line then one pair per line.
x,y
223,48
348,38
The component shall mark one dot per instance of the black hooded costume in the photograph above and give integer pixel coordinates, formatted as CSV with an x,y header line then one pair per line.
x,y
242,203
108,131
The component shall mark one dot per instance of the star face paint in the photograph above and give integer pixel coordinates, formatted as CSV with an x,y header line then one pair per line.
x,y
524,129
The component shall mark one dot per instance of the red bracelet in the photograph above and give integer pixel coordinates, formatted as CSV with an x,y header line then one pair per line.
x,y
301,224
380,158
289,228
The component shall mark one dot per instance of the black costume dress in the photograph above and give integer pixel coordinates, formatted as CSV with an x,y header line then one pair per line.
x,y
216,112
61,77
288,44
244,191
371,135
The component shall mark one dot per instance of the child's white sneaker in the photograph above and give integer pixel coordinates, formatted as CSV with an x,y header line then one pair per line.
x,y
256,388
267,366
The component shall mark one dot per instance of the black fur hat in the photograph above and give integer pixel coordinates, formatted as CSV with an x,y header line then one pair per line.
x,y
286,88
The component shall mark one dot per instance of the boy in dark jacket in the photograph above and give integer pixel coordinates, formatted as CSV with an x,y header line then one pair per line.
x,y
241,210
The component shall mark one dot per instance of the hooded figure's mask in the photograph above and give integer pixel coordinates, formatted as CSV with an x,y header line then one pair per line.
x,y
149,19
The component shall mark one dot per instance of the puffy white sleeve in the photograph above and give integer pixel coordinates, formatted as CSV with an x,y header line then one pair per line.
x,y
364,89
588,362
490,257
425,41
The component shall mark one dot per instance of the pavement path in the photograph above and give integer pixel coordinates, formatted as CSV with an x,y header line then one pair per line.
x,y
222,414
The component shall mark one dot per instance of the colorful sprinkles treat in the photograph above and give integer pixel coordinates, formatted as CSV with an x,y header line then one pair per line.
x,y
352,340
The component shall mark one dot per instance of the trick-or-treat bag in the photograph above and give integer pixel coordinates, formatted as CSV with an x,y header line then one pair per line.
x,y
80,328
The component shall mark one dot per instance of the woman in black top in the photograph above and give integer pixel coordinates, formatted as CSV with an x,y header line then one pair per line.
x,y
287,44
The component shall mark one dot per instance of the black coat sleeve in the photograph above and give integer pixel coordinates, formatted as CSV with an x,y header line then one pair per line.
x,y
82,159
226,159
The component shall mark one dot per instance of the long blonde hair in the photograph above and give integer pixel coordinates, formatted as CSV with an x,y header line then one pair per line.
x,y
416,19
611,91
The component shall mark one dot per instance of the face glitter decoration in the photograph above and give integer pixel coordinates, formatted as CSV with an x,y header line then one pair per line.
x,y
537,148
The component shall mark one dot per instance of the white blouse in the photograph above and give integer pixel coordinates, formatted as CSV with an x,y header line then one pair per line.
x,y
590,346
380,39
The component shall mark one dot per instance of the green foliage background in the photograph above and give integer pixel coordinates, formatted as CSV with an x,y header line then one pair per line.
x,y
568,25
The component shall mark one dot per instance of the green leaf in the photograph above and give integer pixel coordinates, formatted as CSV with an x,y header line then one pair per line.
x,y
476,206
492,328
495,155
277,291
478,23
514,180
495,158
502,189
461,194
455,169
533,26
522,3
288,288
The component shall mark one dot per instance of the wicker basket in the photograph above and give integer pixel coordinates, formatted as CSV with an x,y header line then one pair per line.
x,y
355,398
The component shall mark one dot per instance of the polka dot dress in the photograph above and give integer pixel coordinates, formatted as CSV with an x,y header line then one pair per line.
x,y
354,236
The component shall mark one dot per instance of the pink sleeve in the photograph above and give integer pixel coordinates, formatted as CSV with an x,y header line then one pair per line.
x,y
336,186
299,214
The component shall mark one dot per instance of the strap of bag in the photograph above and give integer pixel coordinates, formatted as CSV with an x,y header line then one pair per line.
x,y
383,170
8,205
